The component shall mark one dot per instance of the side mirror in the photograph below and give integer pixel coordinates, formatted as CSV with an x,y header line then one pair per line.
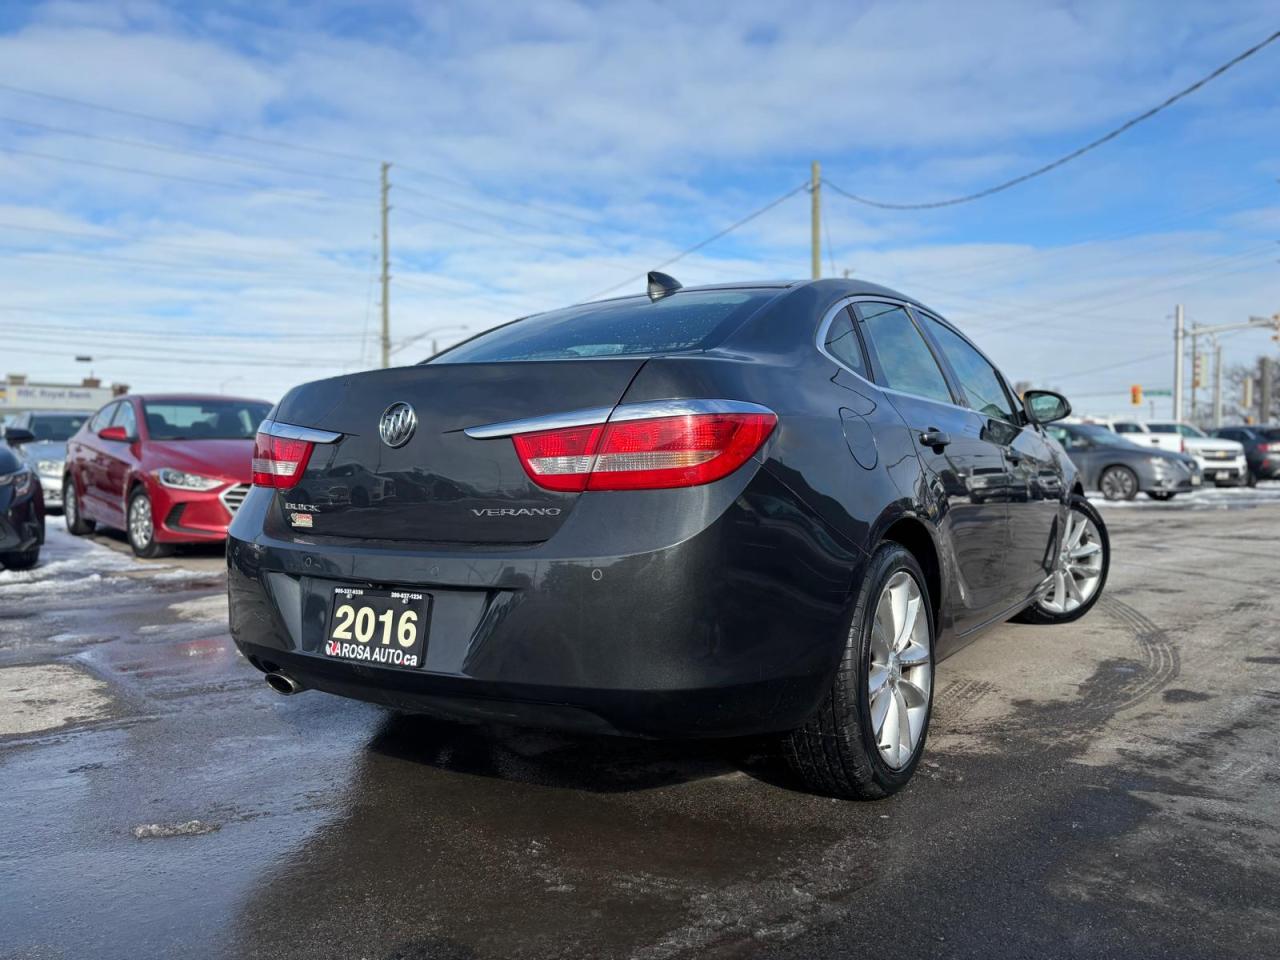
x,y
1045,406
17,436
114,433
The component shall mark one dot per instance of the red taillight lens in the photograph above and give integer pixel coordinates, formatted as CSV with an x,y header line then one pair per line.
x,y
278,462
649,454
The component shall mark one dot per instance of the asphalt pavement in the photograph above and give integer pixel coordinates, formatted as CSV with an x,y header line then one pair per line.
x,y
1104,789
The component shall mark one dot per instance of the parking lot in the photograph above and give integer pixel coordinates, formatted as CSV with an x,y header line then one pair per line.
x,y
1107,788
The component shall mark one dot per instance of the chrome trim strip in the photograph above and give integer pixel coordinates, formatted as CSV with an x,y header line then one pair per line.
x,y
290,431
551,421
624,412
680,408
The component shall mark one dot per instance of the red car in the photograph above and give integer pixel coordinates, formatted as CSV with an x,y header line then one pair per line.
x,y
164,468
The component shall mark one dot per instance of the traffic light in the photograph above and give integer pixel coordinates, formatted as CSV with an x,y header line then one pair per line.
x,y
1197,372
1275,322
1135,395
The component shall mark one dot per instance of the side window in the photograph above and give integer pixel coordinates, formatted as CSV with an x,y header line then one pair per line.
x,y
843,343
904,358
1127,428
126,418
978,379
102,418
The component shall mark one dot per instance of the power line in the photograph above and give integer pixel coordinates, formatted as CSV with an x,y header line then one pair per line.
x,y
1039,171
136,115
204,155
116,168
278,144
698,246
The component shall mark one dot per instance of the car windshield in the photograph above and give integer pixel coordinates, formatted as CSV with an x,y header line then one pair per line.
x,y
56,427
204,419
1178,428
1100,436
692,320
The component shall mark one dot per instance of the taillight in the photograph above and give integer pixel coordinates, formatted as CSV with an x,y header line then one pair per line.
x,y
643,454
279,462
1182,445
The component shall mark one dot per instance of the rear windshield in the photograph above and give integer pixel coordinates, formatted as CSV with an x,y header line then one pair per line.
x,y
693,320
1270,433
56,426
204,419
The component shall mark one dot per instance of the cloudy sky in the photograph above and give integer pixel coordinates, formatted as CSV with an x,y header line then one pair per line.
x,y
188,192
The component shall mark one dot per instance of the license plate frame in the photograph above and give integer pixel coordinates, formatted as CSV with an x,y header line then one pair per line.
x,y
373,627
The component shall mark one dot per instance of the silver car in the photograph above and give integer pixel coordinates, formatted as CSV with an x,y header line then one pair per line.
x,y
1121,469
48,452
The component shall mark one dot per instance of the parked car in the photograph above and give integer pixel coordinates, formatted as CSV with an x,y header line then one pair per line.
x,y
47,453
729,510
21,505
1120,469
1221,461
164,468
1261,450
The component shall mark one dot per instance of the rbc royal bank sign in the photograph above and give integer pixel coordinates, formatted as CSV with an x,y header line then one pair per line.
x,y
49,396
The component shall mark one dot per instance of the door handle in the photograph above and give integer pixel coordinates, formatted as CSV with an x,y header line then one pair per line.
x,y
933,437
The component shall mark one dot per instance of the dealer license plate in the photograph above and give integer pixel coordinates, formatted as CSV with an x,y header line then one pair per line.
x,y
385,627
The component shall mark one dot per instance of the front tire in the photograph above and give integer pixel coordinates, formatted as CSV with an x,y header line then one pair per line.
x,y
141,525
1162,495
1118,483
1080,571
20,561
865,739
77,525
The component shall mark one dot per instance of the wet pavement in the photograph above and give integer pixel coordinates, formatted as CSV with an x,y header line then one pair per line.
x,y
1103,789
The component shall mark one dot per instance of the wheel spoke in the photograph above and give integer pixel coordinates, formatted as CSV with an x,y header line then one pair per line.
x,y
1076,532
904,728
876,679
1086,550
913,654
1059,588
898,598
909,624
880,704
912,695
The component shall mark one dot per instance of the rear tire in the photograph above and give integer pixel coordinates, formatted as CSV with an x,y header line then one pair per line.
x,y
1083,561
1118,483
20,561
840,752
76,523
141,528
1250,478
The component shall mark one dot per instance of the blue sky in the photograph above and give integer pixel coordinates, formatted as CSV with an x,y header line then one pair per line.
x,y
543,152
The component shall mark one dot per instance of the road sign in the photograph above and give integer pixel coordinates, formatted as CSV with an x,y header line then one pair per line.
x,y
1157,393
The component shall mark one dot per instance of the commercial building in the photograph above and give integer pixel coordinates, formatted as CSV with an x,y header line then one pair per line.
x,y
17,394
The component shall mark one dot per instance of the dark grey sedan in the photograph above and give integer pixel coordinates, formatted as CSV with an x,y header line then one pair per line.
x,y
1120,469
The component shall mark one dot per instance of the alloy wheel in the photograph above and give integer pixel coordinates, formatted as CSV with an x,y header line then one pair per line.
x,y
1118,483
141,526
69,504
901,672
1078,570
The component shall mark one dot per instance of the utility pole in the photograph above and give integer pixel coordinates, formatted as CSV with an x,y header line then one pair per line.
x,y
1264,389
386,273
1195,371
1217,384
1177,362
815,183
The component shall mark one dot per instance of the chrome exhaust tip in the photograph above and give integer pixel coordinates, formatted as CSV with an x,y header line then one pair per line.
x,y
284,684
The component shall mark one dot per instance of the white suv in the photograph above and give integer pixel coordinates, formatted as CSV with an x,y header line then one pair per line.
x,y
1221,461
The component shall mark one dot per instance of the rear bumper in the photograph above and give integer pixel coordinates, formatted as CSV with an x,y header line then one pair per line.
x,y
730,629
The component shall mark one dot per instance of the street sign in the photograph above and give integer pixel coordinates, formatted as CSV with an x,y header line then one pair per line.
x,y
1157,393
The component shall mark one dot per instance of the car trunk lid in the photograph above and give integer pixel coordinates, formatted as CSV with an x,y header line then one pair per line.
x,y
441,485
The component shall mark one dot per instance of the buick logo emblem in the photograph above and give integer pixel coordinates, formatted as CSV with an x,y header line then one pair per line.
x,y
397,424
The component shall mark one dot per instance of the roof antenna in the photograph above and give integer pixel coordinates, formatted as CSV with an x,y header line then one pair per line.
x,y
661,285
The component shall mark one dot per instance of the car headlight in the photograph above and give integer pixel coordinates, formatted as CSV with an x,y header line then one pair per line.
x,y
20,481
180,480
1160,463
49,468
